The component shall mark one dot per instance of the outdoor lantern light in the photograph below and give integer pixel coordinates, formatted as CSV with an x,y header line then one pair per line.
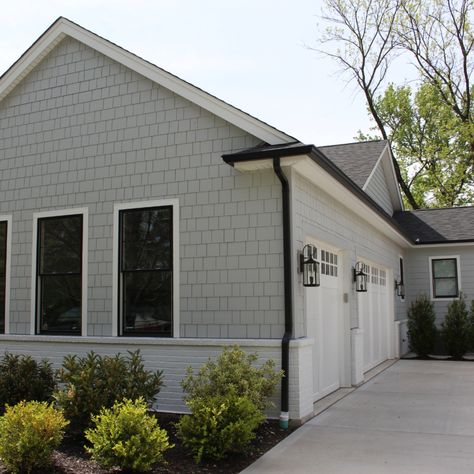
x,y
400,288
309,266
360,278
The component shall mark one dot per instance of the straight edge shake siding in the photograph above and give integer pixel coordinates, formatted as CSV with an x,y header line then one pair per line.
x,y
82,131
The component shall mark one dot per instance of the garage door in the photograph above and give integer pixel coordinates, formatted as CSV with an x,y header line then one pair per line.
x,y
374,314
323,312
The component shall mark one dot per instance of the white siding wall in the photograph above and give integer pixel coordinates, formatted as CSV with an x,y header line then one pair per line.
x,y
173,357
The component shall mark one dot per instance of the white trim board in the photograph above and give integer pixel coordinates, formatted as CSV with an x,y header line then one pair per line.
x,y
8,220
85,259
63,27
115,259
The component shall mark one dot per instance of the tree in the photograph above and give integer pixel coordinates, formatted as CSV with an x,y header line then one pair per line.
x,y
427,139
437,35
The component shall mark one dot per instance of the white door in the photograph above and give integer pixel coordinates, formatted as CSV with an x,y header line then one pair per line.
x,y
374,314
323,312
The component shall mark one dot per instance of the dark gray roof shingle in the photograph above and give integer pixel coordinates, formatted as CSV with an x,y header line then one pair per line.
x,y
356,160
426,226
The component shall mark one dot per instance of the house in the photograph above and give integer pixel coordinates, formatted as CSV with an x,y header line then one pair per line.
x,y
138,211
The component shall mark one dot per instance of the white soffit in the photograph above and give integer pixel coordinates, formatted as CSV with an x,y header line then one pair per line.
x,y
63,27
256,165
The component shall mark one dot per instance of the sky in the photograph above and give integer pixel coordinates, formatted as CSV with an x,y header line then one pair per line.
x,y
254,54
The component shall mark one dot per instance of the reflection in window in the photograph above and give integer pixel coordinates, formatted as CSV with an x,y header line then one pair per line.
x,y
3,269
445,278
60,274
146,271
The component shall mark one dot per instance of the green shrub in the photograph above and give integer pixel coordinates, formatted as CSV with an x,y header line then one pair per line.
x,y
456,330
29,432
233,373
93,382
227,398
22,378
219,425
127,437
421,326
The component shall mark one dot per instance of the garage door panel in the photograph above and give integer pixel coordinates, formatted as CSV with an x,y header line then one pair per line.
x,y
323,313
373,312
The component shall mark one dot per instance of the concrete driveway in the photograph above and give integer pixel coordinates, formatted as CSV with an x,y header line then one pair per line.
x,y
415,417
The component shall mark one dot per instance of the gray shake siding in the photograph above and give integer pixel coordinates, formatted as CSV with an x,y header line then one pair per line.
x,y
377,189
318,215
84,131
418,273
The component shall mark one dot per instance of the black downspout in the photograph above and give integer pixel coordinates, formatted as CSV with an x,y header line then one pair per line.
x,y
285,342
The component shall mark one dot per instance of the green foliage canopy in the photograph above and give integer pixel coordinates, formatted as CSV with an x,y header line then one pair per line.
x,y
431,144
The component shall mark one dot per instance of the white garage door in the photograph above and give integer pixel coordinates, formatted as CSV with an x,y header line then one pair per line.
x,y
374,314
323,312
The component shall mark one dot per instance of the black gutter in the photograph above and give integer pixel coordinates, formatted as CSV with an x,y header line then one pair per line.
x,y
285,342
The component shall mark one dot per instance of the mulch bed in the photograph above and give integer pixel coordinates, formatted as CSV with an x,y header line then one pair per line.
x,y
70,458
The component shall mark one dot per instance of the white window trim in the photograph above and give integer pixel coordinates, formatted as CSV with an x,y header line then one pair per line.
x,y
115,259
8,220
458,269
85,259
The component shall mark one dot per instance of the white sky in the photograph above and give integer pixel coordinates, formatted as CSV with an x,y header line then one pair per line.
x,y
250,53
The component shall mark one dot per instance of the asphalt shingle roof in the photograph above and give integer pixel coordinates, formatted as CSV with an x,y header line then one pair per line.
x,y
426,226
356,160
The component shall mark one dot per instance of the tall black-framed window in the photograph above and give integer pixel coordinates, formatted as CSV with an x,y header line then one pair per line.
x,y
146,271
445,277
3,272
59,274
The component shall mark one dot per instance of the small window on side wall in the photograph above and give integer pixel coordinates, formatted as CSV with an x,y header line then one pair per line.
x,y
146,271
445,278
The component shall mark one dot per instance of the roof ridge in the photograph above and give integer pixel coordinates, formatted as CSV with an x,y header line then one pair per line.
x,y
353,143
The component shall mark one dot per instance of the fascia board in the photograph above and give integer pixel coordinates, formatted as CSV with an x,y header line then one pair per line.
x,y
30,59
443,245
63,27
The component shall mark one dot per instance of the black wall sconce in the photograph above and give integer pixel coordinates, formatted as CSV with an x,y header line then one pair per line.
x,y
309,266
360,277
400,288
